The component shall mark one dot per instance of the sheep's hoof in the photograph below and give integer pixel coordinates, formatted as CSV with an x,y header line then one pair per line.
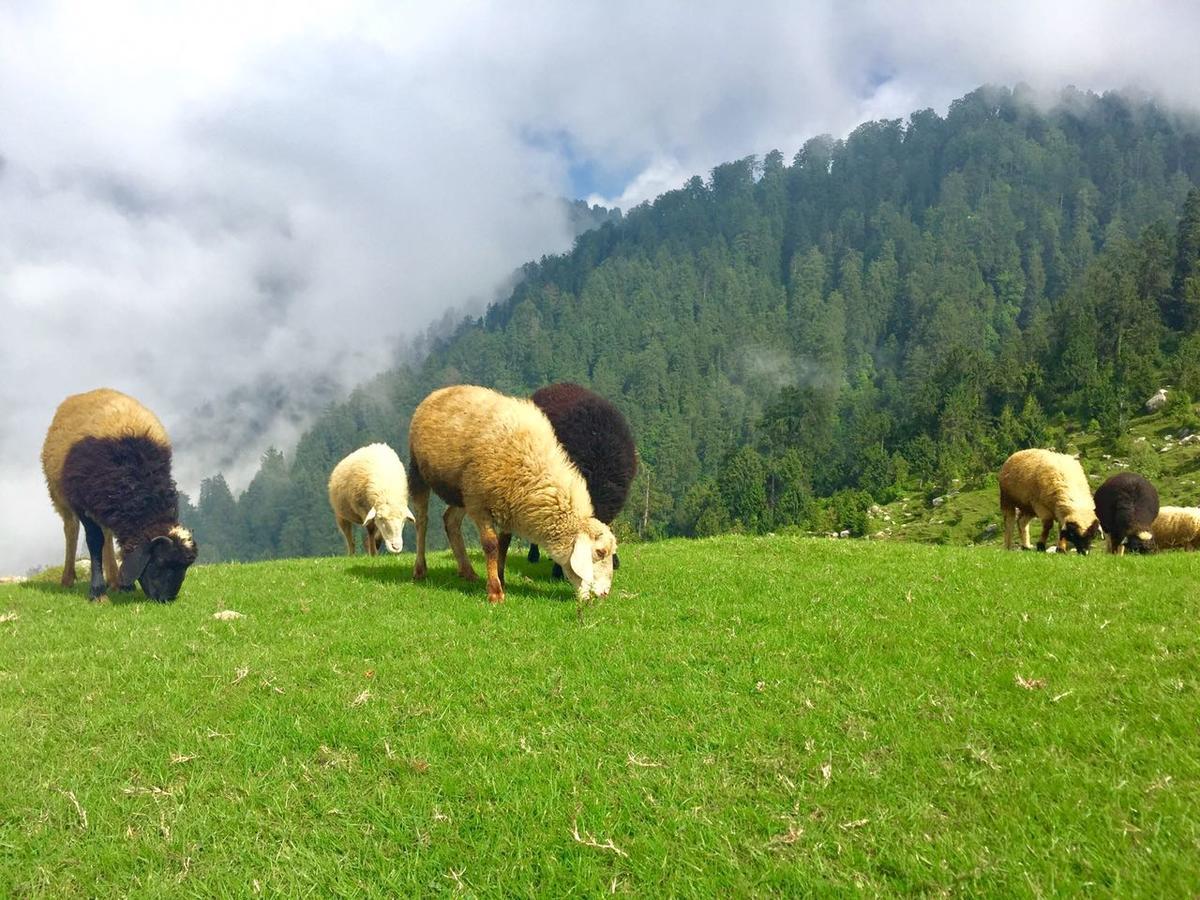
x,y
68,579
419,572
1041,548
468,575
497,597
99,598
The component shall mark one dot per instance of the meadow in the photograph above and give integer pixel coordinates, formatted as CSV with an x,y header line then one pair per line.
x,y
742,716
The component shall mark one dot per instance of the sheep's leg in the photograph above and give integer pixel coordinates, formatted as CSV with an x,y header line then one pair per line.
x,y
95,544
534,553
346,527
491,554
505,540
1023,522
110,558
370,544
1121,549
452,518
71,533
420,508
1047,524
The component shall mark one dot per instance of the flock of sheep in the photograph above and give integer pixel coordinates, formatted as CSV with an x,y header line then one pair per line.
x,y
554,469
1053,488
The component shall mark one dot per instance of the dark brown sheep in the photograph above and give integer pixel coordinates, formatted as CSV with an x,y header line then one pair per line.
x,y
1127,505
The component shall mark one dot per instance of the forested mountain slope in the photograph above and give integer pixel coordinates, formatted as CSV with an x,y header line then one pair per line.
x,y
793,342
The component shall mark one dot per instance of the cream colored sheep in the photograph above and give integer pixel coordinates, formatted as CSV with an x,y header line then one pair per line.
x,y
369,488
496,459
1177,528
1053,487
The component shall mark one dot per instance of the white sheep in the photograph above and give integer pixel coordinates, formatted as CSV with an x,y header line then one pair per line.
x,y
496,459
1053,487
1177,528
369,488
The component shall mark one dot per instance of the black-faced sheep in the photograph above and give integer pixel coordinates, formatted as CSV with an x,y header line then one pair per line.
x,y
496,459
1177,528
369,488
107,462
1127,505
598,440
1053,487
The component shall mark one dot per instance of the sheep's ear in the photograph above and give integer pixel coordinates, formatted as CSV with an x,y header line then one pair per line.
x,y
133,565
408,514
370,515
581,559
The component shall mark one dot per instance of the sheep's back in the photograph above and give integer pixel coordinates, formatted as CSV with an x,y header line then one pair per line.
x,y
1044,477
597,438
1126,501
103,414
472,443
1177,526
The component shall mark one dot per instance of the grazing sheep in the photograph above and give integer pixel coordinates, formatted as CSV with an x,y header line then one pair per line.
x,y
1177,528
1126,505
107,462
1053,487
496,459
600,443
369,488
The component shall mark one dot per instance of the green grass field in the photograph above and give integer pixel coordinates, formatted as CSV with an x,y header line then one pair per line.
x,y
742,716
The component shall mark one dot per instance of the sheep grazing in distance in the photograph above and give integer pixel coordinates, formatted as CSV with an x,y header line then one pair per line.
x,y
1127,505
495,458
107,461
598,440
1177,528
369,488
1053,487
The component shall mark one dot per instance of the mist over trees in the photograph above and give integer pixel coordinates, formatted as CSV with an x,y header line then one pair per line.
x,y
792,342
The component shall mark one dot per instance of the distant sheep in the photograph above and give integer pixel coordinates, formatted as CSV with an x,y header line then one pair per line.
x,y
1177,528
496,459
107,461
1127,505
369,488
1052,487
598,440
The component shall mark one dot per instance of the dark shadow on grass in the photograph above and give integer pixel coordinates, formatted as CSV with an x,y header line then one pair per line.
x,y
522,579
79,591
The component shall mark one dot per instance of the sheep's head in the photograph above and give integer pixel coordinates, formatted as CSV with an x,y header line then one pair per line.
x,y
1141,542
1080,537
590,566
390,524
159,564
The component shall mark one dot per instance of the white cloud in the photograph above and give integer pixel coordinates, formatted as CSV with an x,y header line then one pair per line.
x,y
263,197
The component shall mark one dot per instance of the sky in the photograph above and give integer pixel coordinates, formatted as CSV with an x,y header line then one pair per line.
x,y
236,211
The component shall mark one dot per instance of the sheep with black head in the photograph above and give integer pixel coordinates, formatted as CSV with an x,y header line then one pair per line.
x,y
1127,505
598,440
107,461
1053,488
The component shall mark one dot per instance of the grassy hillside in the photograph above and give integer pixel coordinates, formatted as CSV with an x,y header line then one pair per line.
x,y
742,716
971,514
